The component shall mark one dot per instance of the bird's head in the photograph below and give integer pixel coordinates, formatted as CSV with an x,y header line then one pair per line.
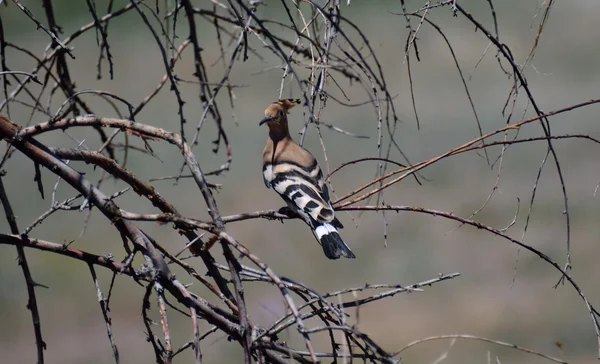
x,y
276,113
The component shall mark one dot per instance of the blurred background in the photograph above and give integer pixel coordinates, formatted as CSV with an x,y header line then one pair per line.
x,y
503,293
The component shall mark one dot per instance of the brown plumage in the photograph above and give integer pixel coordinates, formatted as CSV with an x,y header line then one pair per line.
x,y
294,173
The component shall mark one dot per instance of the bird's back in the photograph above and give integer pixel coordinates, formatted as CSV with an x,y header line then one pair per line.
x,y
294,173
286,157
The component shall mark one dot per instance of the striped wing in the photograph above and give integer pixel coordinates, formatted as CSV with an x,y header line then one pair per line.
x,y
303,188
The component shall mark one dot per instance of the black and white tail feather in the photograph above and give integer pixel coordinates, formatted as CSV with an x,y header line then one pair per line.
x,y
331,241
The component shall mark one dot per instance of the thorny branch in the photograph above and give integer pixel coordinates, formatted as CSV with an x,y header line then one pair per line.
x,y
322,53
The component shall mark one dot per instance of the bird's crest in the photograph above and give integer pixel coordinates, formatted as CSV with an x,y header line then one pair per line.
x,y
288,103
276,108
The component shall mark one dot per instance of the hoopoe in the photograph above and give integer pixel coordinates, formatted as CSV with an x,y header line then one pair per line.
x,y
294,173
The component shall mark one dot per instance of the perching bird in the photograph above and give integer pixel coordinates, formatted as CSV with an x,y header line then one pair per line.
x,y
294,173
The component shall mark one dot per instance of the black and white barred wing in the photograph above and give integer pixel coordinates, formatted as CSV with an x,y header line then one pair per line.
x,y
302,188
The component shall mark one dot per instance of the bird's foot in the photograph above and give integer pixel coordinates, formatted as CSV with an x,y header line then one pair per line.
x,y
285,210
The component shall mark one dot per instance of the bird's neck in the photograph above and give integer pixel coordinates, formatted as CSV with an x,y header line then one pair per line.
x,y
278,132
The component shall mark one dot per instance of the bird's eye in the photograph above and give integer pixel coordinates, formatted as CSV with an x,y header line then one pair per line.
x,y
281,113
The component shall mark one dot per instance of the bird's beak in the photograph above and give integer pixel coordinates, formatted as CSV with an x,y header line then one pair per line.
x,y
265,120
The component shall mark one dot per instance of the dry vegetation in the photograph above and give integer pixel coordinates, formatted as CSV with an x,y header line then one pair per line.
x,y
321,54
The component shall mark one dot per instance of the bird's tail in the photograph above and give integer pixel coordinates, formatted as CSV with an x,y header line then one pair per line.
x,y
331,241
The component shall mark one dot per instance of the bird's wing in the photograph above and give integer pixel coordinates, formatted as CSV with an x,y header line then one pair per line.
x,y
295,174
303,188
